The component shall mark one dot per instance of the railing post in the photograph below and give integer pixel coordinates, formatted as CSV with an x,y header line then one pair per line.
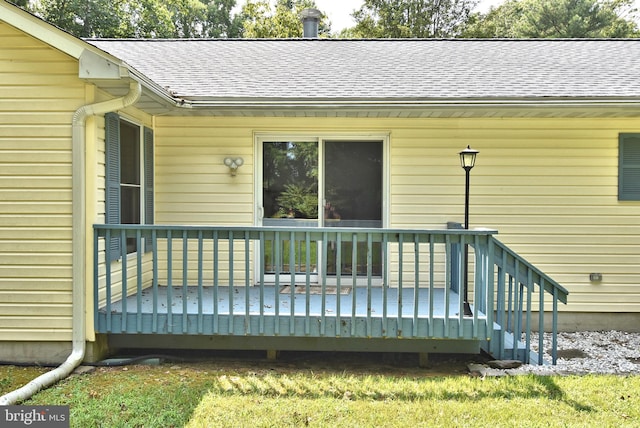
x,y
455,251
96,282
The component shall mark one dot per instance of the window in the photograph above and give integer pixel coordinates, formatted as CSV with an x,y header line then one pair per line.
x,y
629,167
129,182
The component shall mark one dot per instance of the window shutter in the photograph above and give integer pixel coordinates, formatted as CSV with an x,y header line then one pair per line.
x,y
629,167
112,178
148,183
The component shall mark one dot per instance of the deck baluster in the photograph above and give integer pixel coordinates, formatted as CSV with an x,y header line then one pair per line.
x,y
369,284
292,287
431,285
231,282
169,281
154,279
450,279
385,286
354,280
323,264
185,280
399,315
527,340
216,282
124,280
541,322
338,245
261,284
416,283
278,264
247,284
96,280
108,283
200,282
307,284
138,282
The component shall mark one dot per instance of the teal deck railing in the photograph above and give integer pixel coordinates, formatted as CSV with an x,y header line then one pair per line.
x,y
319,282
519,285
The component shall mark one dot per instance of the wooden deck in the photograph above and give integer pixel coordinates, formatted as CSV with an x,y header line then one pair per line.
x,y
420,311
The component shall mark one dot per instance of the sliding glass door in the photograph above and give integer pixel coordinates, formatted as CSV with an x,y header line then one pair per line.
x,y
332,183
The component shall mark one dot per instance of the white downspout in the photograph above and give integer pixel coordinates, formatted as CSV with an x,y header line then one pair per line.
x,y
79,247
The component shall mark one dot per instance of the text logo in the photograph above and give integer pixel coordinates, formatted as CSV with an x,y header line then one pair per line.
x,y
34,416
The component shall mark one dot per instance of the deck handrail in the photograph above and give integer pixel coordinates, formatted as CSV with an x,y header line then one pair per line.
x,y
515,275
424,260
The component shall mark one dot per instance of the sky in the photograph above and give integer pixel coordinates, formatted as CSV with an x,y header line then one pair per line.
x,y
339,11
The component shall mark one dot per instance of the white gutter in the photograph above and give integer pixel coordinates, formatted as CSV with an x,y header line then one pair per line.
x,y
79,247
407,103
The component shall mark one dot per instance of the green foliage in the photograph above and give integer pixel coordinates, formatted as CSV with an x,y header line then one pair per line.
x,y
290,179
143,18
220,22
374,19
25,4
411,18
95,18
556,19
298,201
260,21
499,22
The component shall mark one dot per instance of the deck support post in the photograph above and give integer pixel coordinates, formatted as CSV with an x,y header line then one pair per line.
x,y
423,360
272,354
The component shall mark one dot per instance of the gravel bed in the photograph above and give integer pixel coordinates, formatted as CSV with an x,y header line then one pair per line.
x,y
601,352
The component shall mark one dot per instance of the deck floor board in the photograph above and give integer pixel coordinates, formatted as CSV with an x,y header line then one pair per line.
x,y
355,302
267,312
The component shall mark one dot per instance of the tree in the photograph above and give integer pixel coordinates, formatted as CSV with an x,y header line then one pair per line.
x,y
499,22
219,22
95,18
143,18
556,19
411,18
260,21
24,4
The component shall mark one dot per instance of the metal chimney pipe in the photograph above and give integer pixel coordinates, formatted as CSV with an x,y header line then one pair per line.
x,y
310,23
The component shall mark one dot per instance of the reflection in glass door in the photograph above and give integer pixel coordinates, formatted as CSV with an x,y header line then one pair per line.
x,y
353,199
290,199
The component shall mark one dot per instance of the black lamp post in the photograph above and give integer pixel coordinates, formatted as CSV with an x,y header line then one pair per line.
x,y
467,161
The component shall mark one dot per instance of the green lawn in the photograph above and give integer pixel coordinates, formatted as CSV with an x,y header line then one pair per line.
x,y
260,393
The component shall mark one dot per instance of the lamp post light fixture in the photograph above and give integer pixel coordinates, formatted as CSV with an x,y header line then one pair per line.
x,y
467,161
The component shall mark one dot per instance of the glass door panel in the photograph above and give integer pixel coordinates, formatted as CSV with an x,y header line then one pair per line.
x,y
353,198
290,199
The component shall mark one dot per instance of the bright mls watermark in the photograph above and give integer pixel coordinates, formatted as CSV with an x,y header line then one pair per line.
x,y
34,416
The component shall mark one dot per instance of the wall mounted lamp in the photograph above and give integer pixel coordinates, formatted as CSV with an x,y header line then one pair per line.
x,y
233,164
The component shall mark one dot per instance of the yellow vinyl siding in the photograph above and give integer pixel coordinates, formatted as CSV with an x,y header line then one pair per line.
x,y
549,186
40,91
193,186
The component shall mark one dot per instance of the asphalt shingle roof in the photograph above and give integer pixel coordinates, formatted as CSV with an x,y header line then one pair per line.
x,y
386,69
